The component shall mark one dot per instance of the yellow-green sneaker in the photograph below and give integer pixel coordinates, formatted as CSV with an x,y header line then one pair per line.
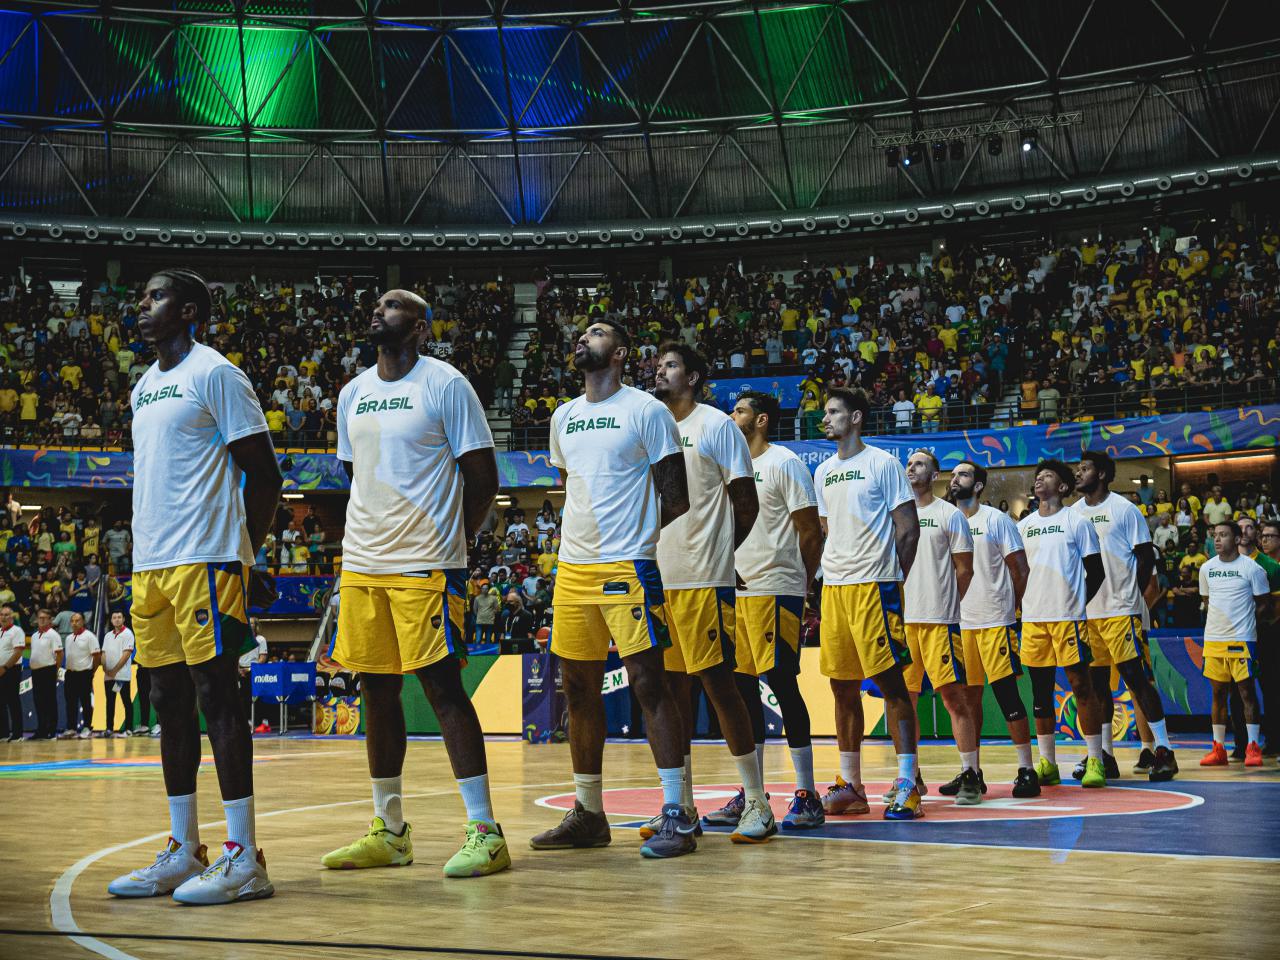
x,y
377,848
1095,774
483,852
1047,773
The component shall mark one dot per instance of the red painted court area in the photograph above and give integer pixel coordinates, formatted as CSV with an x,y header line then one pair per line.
x,y
998,803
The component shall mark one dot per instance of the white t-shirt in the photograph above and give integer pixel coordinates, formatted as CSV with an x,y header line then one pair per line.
x,y
769,560
990,600
857,496
1120,527
1231,587
80,648
187,506
1056,547
931,594
249,658
12,641
403,440
114,646
903,410
611,509
44,645
696,549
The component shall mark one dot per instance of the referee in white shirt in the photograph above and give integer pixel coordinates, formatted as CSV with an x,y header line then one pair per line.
x,y
83,654
13,642
117,672
46,658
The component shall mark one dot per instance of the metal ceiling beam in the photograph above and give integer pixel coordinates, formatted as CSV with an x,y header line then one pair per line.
x,y
147,67
631,104
342,171
831,172
213,181
782,204
213,77
416,73
75,181
512,128
1125,127
1017,36
342,75
946,35
292,183
72,67
555,194
487,185
698,176
427,186
13,161
569,34
152,179
1185,119
626,185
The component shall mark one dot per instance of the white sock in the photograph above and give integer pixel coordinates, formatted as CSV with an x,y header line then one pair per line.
x,y
1047,743
977,761
475,797
969,761
1024,754
184,821
240,821
386,802
907,766
760,760
1219,733
802,760
851,767
673,784
1254,731
1108,739
1159,730
590,791
752,782
1149,745
1093,743
686,791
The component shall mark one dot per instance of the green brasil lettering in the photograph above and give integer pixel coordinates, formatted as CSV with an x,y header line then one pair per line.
x,y
591,423
685,441
759,479
842,477
1041,531
974,531
1101,518
377,406
928,522
164,393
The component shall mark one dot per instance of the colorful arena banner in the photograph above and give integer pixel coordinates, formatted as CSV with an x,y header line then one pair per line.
x,y
1221,431
786,389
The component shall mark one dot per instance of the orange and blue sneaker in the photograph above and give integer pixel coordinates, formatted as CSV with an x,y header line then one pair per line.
x,y
1216,757
729,814
906,803
805,812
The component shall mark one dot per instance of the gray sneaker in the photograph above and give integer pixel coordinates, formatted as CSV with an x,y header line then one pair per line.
x,y
920,786
579,828
970,792
675,837
729,814
654,824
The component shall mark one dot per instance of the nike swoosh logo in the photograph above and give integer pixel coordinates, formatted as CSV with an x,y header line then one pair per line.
x,y
493,855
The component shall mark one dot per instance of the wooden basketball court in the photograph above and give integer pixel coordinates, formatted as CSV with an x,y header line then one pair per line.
x,y
1185,869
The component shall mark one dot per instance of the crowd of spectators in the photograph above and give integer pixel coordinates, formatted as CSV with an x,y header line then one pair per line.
x,y
69,363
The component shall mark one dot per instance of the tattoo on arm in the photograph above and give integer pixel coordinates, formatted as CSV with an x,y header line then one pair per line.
x,y
746,507
673,486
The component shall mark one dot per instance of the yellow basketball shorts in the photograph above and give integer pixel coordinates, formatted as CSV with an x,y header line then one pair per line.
x,y
1229,662
990,652
761,623
862,630
1115,640
936,649
702,625
400,622
1060,643
190,613
597,604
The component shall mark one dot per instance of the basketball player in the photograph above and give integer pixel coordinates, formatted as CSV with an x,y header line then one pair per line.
x,y
872,529
1116,634
618,451
1064,573
414,440
695,559
987,615
776,564
206,486
1237,592
939,579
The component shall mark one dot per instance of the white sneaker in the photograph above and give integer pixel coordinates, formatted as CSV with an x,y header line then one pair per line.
x,y
239,874
174,865
85,733
140,731
756,825
155,731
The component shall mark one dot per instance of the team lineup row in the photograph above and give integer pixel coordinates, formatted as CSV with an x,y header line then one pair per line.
x,y
688,541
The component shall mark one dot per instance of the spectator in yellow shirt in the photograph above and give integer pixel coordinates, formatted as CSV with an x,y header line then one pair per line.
x,y
930,406
1194,559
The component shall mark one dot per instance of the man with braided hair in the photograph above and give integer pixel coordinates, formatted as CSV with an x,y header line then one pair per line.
x,y
206,485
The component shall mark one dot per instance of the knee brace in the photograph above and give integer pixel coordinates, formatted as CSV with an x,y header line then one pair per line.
x,y
1010,699
1042,683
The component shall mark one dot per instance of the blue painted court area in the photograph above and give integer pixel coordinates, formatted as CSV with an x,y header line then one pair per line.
x,y
1235,819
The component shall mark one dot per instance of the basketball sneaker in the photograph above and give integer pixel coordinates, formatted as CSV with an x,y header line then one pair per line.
x,y
579,828
1026,784
1146,760
1095,773
1164,765
844,798
920,785
239,874
675,836
483,852
952,786
1047,773
1253,755
805,812
654,824
377,848
729,814
906,804
1216,757
970,792
756,825
1109,767
173,866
